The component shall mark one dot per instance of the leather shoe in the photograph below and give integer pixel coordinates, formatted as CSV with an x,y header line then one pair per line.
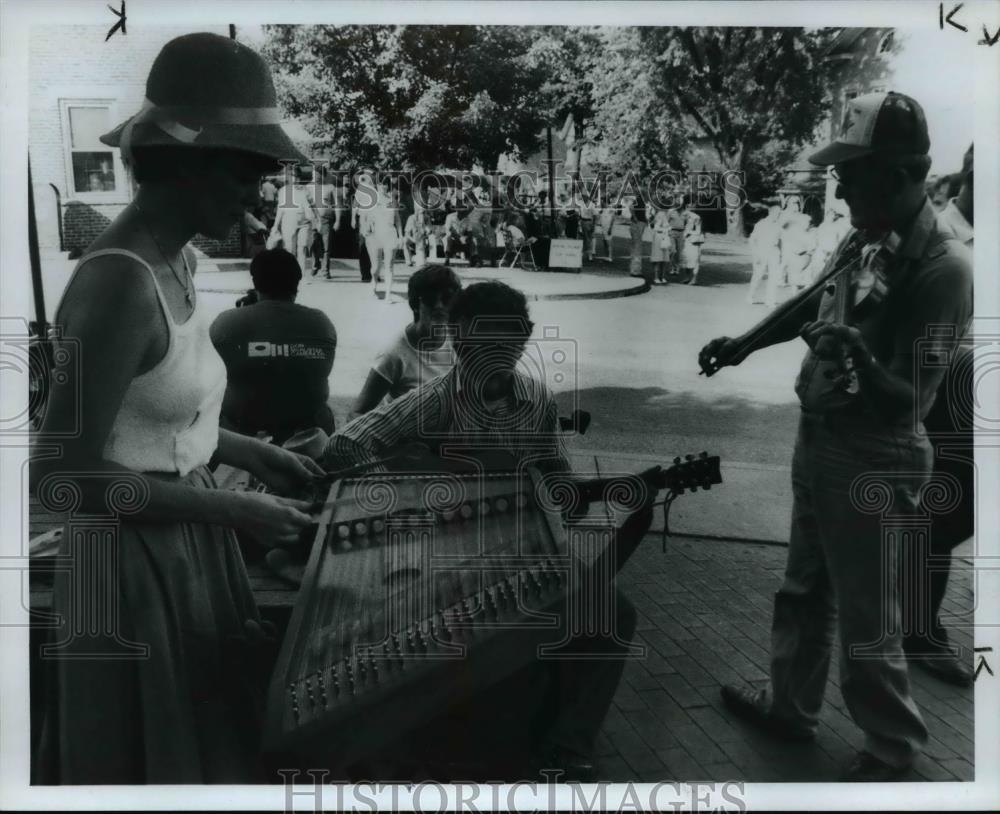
x,y
752,706
866,768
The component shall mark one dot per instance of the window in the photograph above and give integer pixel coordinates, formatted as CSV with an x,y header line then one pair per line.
x,y
93,170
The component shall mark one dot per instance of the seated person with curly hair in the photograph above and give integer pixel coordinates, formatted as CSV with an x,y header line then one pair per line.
x,y
486,403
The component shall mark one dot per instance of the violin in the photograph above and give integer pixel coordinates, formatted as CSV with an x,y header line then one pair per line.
x,y
871,287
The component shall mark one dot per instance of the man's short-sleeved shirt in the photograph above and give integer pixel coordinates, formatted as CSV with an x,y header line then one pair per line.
x,y
915,330
278,359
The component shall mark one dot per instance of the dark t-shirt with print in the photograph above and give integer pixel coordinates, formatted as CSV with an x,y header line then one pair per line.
x,y
278,359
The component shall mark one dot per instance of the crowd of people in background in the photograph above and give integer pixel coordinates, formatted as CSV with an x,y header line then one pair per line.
x,y
789,251
319,218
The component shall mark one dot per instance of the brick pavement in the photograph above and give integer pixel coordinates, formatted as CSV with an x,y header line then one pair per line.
x,y
704,617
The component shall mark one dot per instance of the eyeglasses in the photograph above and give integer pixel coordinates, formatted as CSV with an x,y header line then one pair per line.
x,y
851,172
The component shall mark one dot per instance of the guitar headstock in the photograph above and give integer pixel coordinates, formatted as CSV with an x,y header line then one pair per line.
x,y
692,473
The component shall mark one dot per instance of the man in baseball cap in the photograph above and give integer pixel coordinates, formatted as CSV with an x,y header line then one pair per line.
x,y
882,144
869,377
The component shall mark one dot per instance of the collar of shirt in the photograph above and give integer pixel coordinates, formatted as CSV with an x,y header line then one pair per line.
x,y
914,243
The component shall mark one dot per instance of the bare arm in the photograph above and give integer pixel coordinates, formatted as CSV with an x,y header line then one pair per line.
x,y
114,298
375,388
782,325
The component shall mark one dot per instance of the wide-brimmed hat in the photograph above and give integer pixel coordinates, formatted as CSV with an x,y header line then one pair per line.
x,y
207,91
889,124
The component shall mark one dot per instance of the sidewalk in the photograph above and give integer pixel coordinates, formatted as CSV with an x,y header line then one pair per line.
x,y
704,618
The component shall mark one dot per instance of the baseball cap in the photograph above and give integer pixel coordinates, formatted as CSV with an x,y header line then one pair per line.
x,y
890,124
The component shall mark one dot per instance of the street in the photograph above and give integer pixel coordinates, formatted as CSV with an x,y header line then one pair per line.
x,y
636,373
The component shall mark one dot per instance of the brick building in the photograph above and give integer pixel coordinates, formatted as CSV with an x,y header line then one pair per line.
x,y
80,87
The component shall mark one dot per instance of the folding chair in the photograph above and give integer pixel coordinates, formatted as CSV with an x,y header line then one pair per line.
x,y
519,243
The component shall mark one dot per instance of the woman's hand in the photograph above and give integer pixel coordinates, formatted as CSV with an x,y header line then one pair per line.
x,y
269,519
281,470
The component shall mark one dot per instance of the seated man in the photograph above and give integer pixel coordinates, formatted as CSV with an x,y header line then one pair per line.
x,y
415,235
484,402
278,355
458,239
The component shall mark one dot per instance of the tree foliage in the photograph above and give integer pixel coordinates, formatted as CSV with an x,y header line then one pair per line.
x,y
415,97
631,126
752,93
410,97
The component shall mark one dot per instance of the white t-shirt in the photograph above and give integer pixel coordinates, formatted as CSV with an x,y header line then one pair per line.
x,y
404,367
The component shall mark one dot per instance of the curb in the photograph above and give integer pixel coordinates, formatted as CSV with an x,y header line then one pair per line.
x,y
595,295
630,291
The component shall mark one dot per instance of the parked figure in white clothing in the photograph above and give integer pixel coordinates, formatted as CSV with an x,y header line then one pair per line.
x,y
607,227
692,240
383,237
764,243
296,219
829,233
797,242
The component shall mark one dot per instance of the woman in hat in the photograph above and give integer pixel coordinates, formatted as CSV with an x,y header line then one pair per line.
x,y
158,687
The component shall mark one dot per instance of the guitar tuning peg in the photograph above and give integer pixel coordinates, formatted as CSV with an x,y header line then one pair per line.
x,y
677,461
703,454
689,457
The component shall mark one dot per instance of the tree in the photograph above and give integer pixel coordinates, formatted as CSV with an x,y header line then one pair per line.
x,y
410,97
741,89
632,126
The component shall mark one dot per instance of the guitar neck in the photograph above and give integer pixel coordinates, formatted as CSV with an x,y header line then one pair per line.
x,y
694,473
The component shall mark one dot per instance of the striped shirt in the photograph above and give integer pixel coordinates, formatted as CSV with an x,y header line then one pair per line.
x,y
524,423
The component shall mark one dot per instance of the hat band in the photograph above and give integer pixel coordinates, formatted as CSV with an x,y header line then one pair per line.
x,y
167,118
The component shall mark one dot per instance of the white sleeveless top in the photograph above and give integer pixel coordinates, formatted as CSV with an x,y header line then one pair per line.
x,y
169,418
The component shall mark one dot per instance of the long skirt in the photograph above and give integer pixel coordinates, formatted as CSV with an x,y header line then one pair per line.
x,y
165,687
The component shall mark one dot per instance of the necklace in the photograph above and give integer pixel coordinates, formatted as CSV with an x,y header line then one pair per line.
x,y
186,283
